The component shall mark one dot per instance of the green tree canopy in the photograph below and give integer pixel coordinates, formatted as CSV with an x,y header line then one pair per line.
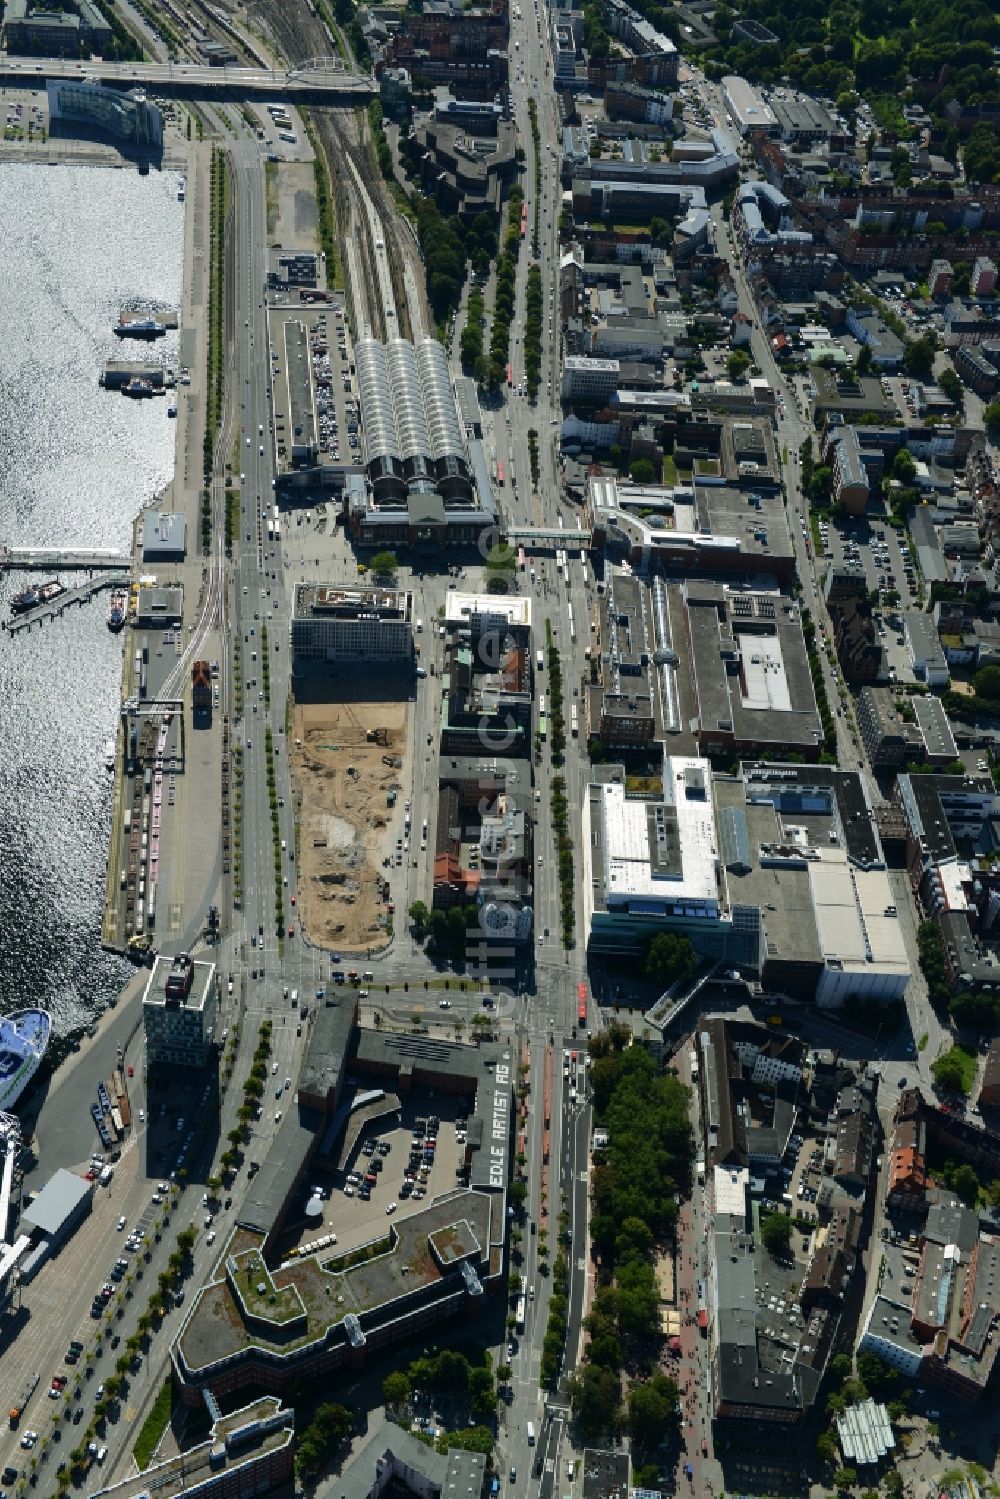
x,y
652,1411
669,957
642,470
776,1234
384,563
737,364
595,1398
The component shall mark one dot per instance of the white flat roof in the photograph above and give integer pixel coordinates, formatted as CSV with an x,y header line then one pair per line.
x,y
514,608
730,1184
850,905
765,680
627,869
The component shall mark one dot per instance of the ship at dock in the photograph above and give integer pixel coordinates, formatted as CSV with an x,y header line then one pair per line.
x,y
138,389
24,1040
116,612
33,598
109,754
142,327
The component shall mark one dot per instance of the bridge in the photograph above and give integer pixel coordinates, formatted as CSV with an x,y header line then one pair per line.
x,y
549,537
320,80
62,559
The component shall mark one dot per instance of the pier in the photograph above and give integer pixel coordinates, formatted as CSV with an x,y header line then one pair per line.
x,y
59,559
79,595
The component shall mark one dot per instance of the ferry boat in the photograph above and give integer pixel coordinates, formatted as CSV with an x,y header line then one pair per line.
x,y
109,753
116,612
143,327
24,1040
32,598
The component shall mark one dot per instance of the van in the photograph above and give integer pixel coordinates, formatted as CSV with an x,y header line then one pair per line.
x,y
420,626
294,997
102,1453
106,1174
531,1435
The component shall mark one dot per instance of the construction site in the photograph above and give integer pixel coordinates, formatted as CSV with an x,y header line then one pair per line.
x,y
350,763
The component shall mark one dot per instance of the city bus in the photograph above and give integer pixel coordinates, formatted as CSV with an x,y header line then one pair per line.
x,y
522,1308
574,722
543,727
510,374
501,474
581,1004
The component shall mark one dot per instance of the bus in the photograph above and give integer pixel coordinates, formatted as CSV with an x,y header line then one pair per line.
x,y
520,559
541,705
522,1308
581,1004
574,722
501,474
543,727
510,374
524,219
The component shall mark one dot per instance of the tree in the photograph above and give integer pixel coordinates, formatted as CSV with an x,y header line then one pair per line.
x,y
384,564
594,1396
987,682
918,356
642,471
396,1390
482,1392
419,916
903,467
776,1235
826,1447
949,1073
324,1434
845,1478
952,387
737,364
965,1183
991,417
652,1410
638,1299
669,957
635,1240
863,363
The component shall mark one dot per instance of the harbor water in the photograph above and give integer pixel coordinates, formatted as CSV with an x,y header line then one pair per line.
x,y
77,245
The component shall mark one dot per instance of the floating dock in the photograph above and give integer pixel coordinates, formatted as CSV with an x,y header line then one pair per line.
x,y
78,595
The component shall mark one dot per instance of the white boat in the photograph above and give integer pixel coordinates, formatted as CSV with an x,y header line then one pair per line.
x,y
172,409
109,753
180,189
24,1040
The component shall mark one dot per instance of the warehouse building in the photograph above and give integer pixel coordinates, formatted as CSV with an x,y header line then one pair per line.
x,y
747,107
331,624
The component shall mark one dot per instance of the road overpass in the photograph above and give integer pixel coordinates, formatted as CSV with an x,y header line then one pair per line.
x,y
320,81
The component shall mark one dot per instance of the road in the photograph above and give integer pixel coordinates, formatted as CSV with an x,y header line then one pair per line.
x,y
332,83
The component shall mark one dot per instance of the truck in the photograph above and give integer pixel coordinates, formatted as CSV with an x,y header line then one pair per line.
x,y
17,1409
539,661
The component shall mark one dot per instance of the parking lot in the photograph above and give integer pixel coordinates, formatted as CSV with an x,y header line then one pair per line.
x,y
355,1207
877,549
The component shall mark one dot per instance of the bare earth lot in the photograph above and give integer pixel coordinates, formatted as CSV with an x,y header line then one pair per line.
x,y
341,784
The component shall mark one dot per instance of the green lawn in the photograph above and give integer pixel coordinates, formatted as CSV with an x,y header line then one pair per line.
x,y
669,469
153,1427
